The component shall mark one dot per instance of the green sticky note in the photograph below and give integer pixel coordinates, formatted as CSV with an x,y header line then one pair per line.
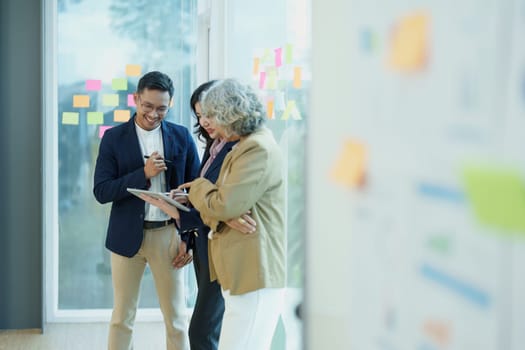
x,y
288,54
95,118
497,197
110,100
70,118
119,84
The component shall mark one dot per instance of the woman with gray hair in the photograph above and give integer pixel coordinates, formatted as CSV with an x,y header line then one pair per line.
x,y
250,267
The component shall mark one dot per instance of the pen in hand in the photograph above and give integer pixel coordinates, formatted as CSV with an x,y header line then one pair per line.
x,y
165,160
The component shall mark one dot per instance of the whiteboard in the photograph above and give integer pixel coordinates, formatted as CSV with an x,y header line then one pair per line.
x,y
403,259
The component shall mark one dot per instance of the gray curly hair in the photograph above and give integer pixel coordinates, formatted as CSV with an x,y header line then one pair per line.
x,y
234,106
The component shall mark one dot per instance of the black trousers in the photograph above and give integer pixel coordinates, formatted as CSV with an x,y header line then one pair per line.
x,y
206,321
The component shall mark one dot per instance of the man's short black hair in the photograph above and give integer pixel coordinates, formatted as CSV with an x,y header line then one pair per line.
x,y
156,81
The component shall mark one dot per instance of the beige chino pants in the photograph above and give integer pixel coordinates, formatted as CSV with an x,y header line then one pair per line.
x,y
158,249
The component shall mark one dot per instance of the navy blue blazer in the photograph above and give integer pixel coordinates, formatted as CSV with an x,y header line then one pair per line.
x,y
191,221
120,164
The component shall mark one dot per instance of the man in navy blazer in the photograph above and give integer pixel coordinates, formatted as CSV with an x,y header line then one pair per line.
x,y
146,153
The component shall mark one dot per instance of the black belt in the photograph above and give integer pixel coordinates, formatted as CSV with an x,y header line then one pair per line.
x,y
149,225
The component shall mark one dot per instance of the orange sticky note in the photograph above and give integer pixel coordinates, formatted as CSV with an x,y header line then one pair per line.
x,y
133,70
80,101
349,169
256,63
269,109
297,82
121,115
409,44
439,331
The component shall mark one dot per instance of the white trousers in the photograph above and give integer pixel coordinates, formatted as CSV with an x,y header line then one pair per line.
x,y
158,249
250,319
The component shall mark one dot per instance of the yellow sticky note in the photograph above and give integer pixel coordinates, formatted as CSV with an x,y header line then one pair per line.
x,y
95,118
297,82
80,101
267,56
110,100
133,70
256,63
119,84
70,118
349,169
409,45
291,110
121,115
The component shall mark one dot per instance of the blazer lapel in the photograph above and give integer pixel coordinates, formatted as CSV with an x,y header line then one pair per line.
x,y
133,141
217,162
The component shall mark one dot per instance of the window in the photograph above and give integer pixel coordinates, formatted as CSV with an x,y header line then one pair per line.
x,y
267,44
103,47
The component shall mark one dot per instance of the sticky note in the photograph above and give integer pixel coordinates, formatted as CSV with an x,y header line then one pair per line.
x,y
288,54
95,118
291,110
102,129
350,166
269,109
70,118
297,81
110,100
133,70
80,101
439,331
119,84
368,40
93,85
131,101
262,80
121,115
271,79
256,64
267,56
278,57
409,43
497,197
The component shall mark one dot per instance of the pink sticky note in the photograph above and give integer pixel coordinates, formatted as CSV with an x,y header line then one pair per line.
x,y
278,57
94,85
262,79
131,101
102,129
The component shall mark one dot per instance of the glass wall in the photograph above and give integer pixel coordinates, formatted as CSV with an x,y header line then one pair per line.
x,y
268,46
104,46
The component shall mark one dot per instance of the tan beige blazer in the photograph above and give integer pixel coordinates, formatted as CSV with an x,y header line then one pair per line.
x,y
251,178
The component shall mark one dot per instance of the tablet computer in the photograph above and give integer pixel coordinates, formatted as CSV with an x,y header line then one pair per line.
x,y
160,195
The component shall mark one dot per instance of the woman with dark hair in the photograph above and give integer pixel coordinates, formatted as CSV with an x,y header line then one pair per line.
x,y
250,267
206,320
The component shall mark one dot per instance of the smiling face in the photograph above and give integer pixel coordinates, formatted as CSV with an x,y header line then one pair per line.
x,y
209,124
152,107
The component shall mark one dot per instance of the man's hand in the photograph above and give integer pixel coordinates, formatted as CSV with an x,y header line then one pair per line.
x,y
182,257
154,165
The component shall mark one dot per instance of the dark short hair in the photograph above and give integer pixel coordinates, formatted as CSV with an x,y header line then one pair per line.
x,y
156,81
201,133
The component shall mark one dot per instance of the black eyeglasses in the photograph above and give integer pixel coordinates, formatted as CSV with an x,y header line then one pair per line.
x,y
148,108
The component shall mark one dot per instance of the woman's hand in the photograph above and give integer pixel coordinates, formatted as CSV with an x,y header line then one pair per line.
x,y
162,204
243,223
179,195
